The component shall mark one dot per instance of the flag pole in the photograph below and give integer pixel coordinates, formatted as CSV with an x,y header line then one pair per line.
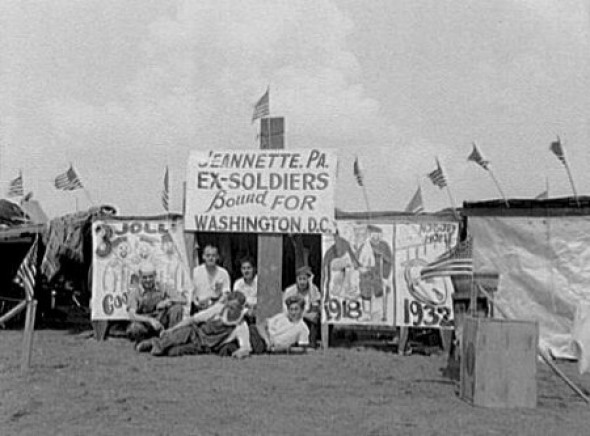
x,y
498,186
450,194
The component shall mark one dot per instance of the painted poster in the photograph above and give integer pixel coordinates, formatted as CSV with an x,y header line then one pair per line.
x,y
423,300
357,264
121,246
261,191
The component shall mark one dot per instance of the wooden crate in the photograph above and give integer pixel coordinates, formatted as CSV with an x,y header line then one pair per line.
x,y
499,362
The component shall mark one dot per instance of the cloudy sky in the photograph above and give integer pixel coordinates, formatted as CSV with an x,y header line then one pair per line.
x,y
123,88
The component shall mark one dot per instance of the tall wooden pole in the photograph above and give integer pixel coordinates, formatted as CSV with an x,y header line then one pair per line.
x,y
270,246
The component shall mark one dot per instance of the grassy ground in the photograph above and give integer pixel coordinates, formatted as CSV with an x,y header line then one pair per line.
x,y
78,386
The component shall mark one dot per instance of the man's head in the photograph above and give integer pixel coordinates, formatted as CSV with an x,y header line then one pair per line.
x,y
303,277
295,305
147,276
233,310
375,232
210,256
360,233
237,297
247,268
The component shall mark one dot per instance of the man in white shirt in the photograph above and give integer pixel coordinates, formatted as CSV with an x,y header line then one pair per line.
x,y
311,296
284,332
248,285
210,280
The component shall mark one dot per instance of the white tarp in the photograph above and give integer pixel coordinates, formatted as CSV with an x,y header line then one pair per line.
x,y
544,266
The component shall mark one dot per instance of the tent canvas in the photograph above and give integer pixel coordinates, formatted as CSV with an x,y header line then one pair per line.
x,y
541,249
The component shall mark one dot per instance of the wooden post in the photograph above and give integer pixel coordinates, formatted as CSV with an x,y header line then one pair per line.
x,y
28,336
270,247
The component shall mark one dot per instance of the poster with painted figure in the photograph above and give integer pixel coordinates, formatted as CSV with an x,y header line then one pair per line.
x,y
357,286
121,246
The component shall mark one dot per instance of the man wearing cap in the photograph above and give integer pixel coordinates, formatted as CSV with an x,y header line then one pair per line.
x,y
210,280
311,296
150,309
205,332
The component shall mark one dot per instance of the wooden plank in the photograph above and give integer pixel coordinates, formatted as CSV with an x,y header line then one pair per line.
x,y
270,264
498,366
101,330
27,349
270,247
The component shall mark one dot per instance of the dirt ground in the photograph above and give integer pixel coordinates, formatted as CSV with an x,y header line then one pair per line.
x,y
78,386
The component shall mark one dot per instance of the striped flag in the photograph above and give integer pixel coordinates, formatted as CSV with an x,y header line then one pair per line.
x,y
458,261
437,176
557,149
358,173
477,157
15,188
68,181
262,106
165,192
416,206
27,271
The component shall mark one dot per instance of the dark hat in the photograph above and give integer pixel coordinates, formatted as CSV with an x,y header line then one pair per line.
x,y
374,229
304,270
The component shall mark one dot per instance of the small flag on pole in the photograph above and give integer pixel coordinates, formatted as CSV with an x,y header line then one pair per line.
x,y
557,150
416,206
358,173
437,177
458,261
27,271
15,188
262,106
68,181
165,192
477,157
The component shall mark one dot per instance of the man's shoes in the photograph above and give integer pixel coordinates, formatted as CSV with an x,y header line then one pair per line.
x,y
144,346
157,349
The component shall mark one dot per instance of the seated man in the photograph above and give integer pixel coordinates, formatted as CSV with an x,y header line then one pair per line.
x,y
150,309
205,332
210,280
284,332
310,294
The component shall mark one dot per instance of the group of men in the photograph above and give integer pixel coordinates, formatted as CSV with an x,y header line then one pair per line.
x,y
221,320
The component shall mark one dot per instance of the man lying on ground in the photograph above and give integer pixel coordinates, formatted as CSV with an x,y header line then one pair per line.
x,y
150,309
203,333
284,332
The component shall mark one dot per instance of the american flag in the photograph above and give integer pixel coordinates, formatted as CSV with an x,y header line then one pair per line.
x,y
458,261
262,106
68,181
27,271
165,192
437,177
476,157
557,150
358,173
15,188
416,206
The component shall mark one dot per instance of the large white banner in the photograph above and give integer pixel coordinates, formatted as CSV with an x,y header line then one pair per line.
x,y
357,264
544,266
120,246
425,303
260,191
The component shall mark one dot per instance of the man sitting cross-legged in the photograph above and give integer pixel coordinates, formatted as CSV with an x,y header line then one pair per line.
x,y
203,333
151,309
284,332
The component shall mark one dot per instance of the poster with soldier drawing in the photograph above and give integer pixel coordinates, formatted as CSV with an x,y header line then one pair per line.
x,y
357,275
120,246
423,286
